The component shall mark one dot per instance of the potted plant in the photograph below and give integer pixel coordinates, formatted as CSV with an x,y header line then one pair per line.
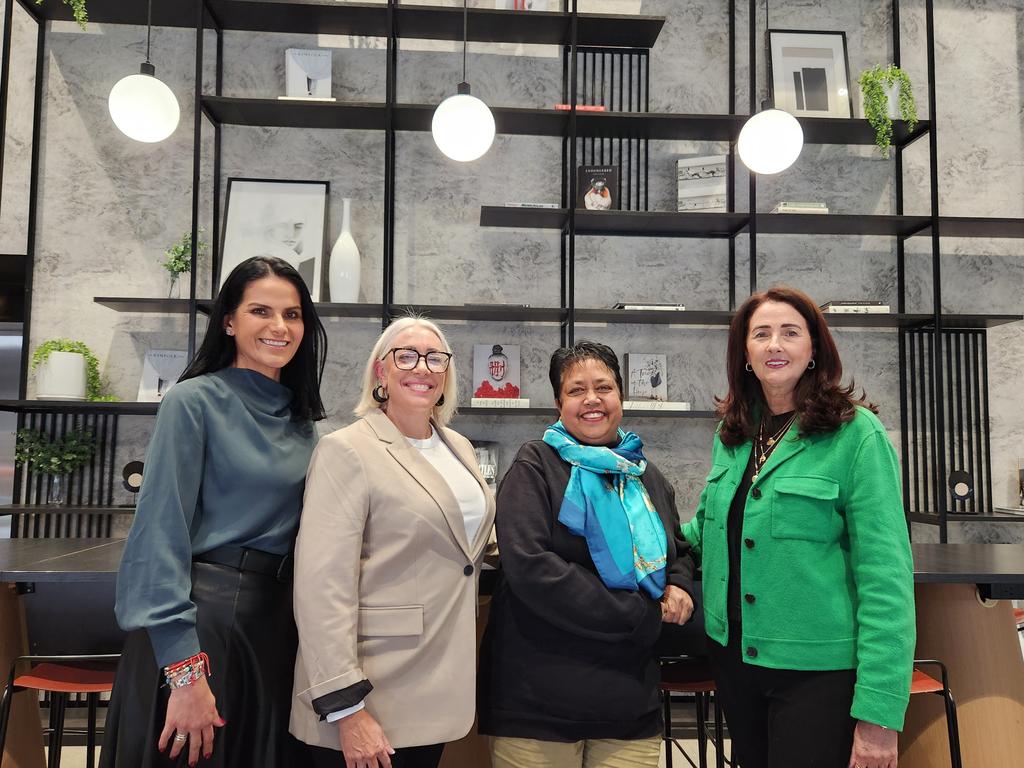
x,y
68,370
886,93
77,8
56,458
178,261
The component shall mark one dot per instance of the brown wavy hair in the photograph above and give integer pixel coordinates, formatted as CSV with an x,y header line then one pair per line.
x,y
822,402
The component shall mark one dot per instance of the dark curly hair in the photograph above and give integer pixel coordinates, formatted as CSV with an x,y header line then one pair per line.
x,y
564,358
822,402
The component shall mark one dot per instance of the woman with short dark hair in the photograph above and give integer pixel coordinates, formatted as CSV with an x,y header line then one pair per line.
x,y
808,580
204,583
591,566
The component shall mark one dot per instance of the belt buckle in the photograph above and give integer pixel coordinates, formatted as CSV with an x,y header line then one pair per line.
x,y
284,570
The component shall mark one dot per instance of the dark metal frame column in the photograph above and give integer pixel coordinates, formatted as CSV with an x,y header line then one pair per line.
x,y
390,159
752,202
569,273
730,163
197,159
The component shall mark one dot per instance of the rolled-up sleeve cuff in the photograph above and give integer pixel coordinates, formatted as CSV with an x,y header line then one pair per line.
x,y
345,698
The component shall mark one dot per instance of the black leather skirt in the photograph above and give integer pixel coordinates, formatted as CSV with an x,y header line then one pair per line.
x,y
245,625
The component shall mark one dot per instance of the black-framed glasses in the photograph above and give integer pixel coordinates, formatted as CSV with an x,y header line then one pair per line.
x,y
407,359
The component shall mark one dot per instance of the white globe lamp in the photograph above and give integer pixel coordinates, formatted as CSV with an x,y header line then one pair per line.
x,y
463,126
770,141
142,107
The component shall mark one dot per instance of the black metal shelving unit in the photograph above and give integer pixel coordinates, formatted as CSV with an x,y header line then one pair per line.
x,y
582,36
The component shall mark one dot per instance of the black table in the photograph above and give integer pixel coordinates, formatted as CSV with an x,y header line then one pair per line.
x,y
56,560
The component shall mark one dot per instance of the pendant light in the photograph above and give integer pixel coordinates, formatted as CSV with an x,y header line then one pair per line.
x,y
463,126
142,107
771,140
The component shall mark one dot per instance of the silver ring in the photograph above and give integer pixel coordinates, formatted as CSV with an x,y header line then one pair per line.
x,y
180,736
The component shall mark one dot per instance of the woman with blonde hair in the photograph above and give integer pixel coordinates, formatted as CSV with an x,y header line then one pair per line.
x,y
393,531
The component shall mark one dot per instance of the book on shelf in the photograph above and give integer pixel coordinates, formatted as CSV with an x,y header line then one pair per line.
x,y
161,369
655,405
533,205
581,107
800,208
500,402
597,187
646,377
701,183
647,306
307,73
854,307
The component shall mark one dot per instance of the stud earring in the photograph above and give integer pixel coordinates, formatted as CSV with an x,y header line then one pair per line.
x,y
229,332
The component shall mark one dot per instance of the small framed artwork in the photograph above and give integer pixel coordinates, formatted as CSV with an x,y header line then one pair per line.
x,y
273,217
809,73
597,187
646,376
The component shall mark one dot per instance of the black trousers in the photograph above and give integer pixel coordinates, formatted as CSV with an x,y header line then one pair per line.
x,y
407,757
783,718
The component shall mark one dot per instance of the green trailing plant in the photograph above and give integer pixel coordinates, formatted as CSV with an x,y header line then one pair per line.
x,y
77,8
93,386
178,258
873,84
59,456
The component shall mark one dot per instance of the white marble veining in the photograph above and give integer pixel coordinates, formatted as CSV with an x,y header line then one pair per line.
x,y
109,206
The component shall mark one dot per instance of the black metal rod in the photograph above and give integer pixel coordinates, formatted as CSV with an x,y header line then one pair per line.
x,y
752,202
647,108
922,378
906,402
570,267
984,419
963,435
390,151
604,101
970,425
197,159
629,142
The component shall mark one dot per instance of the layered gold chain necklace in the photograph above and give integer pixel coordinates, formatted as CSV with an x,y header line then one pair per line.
x,y
763,447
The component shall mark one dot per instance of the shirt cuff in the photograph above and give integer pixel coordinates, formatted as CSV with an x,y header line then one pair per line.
x,y
336,716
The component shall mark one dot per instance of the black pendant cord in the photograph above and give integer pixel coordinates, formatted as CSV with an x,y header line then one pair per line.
x,y
149,27
465,36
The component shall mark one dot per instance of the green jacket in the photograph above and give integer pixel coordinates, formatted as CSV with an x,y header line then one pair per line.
x,y
825,556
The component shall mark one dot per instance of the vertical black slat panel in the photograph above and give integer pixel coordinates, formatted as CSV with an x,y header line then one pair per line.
x,y
593,100
963,434
904,406
92,422
949,405
622,90
603,100
922,383
647,108
983,367
970,394
582,99
935,450
197,160
570,264
109,519
980,427
627,169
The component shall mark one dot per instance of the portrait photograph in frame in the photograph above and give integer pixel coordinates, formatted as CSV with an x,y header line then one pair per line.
x,y
276,217
809,73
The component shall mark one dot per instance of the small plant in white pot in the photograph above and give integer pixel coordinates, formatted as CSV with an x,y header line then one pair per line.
x,y
886,93
67,370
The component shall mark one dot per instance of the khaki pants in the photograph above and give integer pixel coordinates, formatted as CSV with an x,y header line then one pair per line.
x,y
592,753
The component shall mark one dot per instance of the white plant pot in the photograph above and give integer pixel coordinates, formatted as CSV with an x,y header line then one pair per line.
x,y
893,94
343,273
61,377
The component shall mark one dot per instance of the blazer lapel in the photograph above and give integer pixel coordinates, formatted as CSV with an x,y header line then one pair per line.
x,y
423,472
790,446
468,460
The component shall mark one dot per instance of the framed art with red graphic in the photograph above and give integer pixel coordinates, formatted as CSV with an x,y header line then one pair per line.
x,y
496,371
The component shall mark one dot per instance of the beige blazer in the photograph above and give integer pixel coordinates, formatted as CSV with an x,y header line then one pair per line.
x,y
386,586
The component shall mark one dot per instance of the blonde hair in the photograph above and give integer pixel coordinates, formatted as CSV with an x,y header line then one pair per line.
x,y
441,414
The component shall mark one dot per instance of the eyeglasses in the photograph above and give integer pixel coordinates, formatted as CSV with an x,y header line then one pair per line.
x,y
407,359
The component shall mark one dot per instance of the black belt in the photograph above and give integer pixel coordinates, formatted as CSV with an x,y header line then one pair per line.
x,y
250,560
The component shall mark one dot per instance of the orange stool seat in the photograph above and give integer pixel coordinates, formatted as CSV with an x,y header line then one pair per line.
x,y
922,683
61,678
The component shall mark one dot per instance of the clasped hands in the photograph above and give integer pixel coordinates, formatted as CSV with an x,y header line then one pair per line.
x,y
676,605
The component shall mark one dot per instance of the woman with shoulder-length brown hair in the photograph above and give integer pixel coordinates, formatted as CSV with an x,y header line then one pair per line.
x,y
808,579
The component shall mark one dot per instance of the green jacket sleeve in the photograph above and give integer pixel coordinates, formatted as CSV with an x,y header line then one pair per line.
x,y
883,574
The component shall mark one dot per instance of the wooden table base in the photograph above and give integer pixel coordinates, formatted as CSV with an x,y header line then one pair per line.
x,y
979,645
24,747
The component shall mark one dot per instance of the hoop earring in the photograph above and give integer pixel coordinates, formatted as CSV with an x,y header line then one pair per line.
x,y
440,402
748,368
811,365
379,394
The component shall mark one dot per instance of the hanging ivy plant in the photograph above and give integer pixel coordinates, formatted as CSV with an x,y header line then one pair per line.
x,y
93,387
874,83
77,8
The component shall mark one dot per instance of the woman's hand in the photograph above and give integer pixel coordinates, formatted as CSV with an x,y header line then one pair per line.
x,y
676,605
191,711
873,746
363,741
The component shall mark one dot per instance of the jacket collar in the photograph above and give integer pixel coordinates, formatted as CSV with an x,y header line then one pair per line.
x,y
423,472
788,447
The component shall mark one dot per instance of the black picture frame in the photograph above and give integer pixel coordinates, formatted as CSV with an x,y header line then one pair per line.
x,y
287,218
809,72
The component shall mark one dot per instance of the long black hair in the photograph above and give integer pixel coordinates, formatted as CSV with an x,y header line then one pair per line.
x,y
303,372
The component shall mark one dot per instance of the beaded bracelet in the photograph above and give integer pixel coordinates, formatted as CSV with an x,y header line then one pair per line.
x,y
188,671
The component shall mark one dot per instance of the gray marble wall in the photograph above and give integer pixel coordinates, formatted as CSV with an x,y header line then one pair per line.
x,y
109,206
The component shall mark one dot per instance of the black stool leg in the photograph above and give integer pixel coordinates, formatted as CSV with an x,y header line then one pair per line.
x,y
90,735
953,727
5,716
719,735
666,704
58,704
702,733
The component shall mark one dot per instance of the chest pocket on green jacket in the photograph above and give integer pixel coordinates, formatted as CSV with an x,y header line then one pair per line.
x,y
805,508
716,493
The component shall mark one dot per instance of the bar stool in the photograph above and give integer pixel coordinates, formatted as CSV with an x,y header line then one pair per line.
x,y
61,676
924,683
691,675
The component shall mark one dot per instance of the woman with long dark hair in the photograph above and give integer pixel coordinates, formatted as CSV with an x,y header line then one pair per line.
x,y
204,584
808,579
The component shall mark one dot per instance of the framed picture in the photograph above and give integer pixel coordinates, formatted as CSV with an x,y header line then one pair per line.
x,y
809,73
646,376
273,217
161,370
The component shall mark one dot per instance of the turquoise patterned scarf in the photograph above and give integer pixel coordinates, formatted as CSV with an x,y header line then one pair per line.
x,y
606,503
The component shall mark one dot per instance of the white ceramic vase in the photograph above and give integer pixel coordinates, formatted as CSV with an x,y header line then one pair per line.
x,y
343,271
61,377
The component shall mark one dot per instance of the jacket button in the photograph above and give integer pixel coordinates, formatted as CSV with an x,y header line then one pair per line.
x,y
749,543
752,652
750,598
468,570
756,493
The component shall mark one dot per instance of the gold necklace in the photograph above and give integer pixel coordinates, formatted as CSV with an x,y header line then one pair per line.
x,y
764,448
